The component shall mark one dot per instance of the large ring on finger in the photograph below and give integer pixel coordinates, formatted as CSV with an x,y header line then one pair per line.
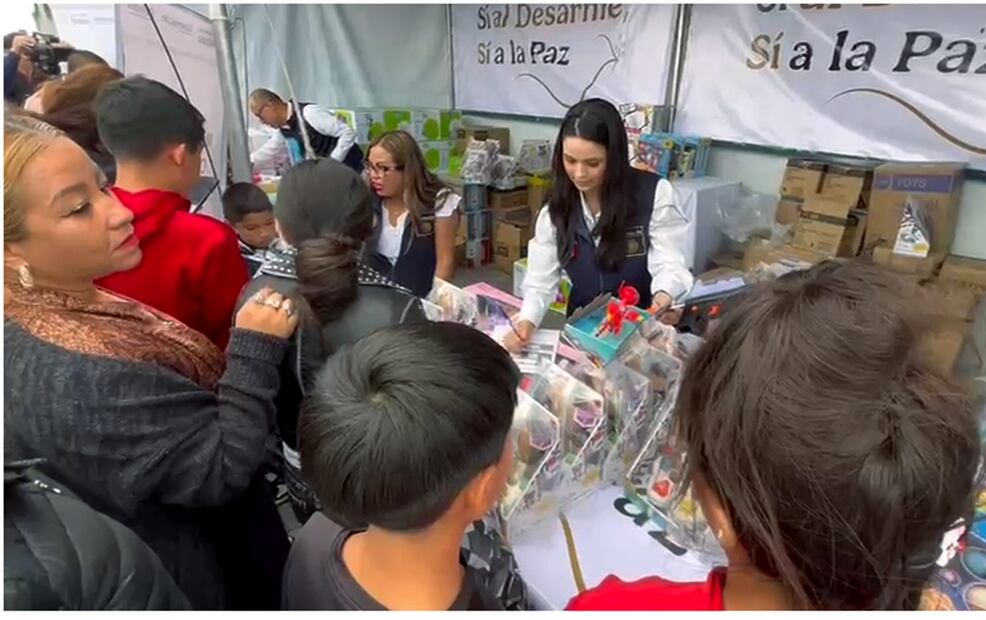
x,y
259,297
287,307
273,303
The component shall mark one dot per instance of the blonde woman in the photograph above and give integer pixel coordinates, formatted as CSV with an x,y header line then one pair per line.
x,y
139,415
416,215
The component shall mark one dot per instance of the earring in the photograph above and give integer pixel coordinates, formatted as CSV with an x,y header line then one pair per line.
x,y
719,535
25,277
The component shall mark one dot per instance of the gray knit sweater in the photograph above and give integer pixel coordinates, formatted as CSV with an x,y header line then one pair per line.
x,y
144,444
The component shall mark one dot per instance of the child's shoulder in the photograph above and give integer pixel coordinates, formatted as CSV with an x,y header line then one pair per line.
x,y
653,594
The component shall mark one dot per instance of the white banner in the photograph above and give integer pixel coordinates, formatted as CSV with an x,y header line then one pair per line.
x,y
88,27
901,82
540,59
190,40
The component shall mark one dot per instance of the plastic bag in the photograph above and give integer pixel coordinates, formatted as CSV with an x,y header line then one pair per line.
x,y
751,214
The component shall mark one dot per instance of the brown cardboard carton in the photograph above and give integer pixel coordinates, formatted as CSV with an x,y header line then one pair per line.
x,y
509,245
482,133
911,265
823,224
802,178
936,188
788,211
943,346
521,216
762,252
848,184
951,300
500,200
967,271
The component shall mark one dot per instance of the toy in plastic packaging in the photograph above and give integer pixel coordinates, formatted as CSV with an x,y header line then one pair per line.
x,y
626,398
914,234
505,173
584,429
535,156
529,496
458,306
479,161
661,369
433,312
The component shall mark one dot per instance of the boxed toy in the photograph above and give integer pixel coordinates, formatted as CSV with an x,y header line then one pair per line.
x,y
426,124
564,287
604,325
662,370
536,474
583,428
652,154
626,398
937,188
448,124
535,156
437,154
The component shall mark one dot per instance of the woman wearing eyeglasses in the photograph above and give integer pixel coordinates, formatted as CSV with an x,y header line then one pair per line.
x,y
416,215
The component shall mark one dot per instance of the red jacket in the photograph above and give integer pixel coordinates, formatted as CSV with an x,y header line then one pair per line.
x,y
653,594
191,269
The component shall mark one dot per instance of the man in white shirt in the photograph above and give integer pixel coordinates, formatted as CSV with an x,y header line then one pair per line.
x,y
329,136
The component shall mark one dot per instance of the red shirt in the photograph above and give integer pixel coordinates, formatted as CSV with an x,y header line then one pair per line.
x,y
191,268
653,594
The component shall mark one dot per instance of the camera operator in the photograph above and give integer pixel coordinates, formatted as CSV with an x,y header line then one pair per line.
x,y
18,67
30,61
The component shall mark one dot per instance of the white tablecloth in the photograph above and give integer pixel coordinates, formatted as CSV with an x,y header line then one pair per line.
x,y
698,199
608,543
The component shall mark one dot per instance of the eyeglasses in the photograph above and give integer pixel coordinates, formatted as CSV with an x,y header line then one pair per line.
x,y
380,171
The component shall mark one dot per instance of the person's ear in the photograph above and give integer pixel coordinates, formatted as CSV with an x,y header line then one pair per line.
x,y
486,489
177,154
719,521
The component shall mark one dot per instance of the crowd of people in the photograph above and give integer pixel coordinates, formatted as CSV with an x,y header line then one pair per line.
x,y
164,371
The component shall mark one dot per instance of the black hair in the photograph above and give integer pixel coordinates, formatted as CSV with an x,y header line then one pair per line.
x,y
242,199
595,120
83,58
840,455
8,39
397,425
139,118
323,209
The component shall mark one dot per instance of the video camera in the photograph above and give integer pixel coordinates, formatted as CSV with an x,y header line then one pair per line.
x,y
48,53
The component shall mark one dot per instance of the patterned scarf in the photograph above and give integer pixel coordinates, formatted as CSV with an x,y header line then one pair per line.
x,y
120,329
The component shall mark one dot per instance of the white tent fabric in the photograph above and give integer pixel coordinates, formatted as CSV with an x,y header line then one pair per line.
x,y
348,55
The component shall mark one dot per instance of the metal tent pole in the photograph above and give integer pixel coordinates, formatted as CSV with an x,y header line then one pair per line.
x,y
239,145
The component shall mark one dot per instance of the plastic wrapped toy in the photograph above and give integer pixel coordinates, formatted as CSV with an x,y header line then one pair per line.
x,y
458,306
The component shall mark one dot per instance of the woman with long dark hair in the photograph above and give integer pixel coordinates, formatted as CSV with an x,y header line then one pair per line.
x,y
606,224
324,218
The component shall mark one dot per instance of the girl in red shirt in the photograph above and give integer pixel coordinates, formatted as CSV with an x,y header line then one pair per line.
x,y
828,457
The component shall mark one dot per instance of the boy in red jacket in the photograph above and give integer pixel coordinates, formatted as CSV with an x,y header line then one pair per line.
x,y
191,268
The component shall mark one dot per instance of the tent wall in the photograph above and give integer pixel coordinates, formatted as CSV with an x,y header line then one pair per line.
x,y
350,55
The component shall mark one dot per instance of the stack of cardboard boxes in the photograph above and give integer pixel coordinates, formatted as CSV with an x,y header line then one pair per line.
x,y
902,216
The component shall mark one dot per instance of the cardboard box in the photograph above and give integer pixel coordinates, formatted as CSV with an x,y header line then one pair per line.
x,y
839,182
502,200
943,347
762,252
937,188
952,300
830,227
967,271
520,216
788,211
482,133
911,265
509,245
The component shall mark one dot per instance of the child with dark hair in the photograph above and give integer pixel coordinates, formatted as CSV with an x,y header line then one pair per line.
x,y
249,211
191,268
404,438
828,456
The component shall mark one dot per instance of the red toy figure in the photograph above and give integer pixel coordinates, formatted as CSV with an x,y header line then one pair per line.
x,y
619,309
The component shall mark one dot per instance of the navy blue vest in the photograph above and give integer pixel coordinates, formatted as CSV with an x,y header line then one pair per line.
x,y
322,144
589,279
415,266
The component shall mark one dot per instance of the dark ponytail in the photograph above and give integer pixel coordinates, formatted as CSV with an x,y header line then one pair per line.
x,y
327,268
323,209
